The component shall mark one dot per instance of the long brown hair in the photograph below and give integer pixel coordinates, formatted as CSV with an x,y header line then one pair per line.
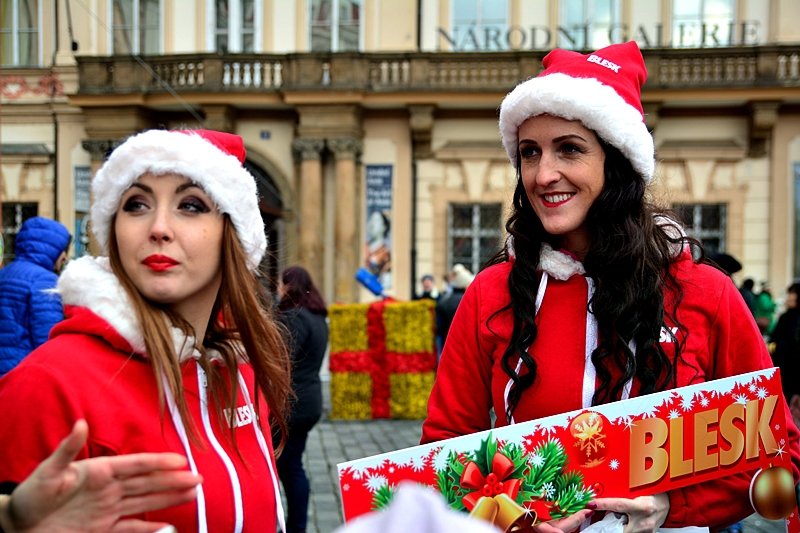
x,y
241,328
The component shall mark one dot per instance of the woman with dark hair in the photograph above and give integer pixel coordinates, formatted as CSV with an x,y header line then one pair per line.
x,y
302,310
595,297
166,345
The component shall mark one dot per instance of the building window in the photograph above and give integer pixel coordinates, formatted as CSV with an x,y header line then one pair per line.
x,y
14,214
474,234
19,33
335,25
235,26
705,222
698,23
136,27
479,24
589,24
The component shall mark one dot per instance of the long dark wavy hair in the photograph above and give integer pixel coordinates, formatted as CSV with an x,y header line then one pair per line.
x,y
632,245
299,291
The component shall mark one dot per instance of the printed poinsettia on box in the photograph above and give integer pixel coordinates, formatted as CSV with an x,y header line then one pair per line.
x,y
552,467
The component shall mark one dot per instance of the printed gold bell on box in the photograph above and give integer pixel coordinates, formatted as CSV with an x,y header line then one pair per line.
x,y
504,513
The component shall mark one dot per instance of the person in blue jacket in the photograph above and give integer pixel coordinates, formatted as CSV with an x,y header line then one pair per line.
x,y
28,309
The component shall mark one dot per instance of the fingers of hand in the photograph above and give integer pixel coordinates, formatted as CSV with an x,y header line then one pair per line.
x,y
140,526
68,449
153,502
570,523
158,482
143,463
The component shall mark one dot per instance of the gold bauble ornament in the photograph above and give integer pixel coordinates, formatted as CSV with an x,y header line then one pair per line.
x,y
772,493
588,429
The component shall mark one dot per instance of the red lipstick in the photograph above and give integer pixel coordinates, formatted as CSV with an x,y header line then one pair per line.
x,y
159,263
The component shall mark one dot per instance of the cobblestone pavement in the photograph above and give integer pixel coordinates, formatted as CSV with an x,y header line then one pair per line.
x,y
333,441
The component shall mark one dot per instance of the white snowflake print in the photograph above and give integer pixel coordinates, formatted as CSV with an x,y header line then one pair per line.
x,y
704,402
418,463
751,387
779,451
687,404
346,487
761,393
783,442
537,460
740,399
674,414
391,470
548,490
613,464
777,427
440,461
376,482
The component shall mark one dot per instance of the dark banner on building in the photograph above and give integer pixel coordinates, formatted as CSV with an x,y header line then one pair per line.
x,y
378,245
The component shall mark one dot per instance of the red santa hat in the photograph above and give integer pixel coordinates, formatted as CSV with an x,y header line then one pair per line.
x,y
601,89
211,159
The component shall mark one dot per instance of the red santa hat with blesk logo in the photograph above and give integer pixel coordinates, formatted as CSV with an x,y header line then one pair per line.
x,y
601,89
211,159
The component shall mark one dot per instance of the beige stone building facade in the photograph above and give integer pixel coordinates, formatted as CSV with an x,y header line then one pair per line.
x,y
371,125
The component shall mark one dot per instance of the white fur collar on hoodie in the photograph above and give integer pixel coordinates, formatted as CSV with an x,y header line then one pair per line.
x,y
563,266
89,282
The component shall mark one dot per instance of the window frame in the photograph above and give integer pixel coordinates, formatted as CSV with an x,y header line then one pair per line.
x,y
235,29
16,35
476,232
334,27
700,19
478,23
12,231
135,27
589,9
700,233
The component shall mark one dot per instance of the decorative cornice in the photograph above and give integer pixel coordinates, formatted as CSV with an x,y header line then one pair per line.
x,y
305,149
99,149
345,148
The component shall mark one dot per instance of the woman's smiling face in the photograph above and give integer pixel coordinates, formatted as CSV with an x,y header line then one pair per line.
x,y
562,167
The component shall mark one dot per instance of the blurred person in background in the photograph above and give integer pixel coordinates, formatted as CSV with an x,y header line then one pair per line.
x,y
29,307
302,310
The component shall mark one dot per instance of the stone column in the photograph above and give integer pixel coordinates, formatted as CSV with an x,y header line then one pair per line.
x,y
99,150
309,184
346,151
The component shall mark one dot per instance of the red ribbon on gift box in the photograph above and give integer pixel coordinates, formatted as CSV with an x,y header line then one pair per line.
x,y
494,483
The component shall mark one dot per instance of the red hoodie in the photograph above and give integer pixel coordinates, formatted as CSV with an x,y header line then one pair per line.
x,y
93,368
723,340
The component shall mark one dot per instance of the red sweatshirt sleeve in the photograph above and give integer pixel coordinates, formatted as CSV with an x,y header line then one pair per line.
x,y
37,415
735,347
461,397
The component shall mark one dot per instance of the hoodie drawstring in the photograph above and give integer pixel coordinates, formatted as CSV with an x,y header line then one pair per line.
x,y
202,525
262,443
589,371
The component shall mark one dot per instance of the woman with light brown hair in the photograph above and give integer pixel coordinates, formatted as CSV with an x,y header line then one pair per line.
x,y
166,346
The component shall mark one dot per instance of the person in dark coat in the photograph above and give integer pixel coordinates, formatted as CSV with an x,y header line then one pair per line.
x,y
786,338
459,279
28,308
302,310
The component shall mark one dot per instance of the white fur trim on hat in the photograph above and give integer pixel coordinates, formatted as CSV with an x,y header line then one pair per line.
x,y
598,106
159,152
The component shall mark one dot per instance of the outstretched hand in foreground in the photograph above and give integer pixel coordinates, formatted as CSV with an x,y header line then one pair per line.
x,y
65,496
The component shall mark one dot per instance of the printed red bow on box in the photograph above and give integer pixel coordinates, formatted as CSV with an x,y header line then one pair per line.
x,y
494,483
